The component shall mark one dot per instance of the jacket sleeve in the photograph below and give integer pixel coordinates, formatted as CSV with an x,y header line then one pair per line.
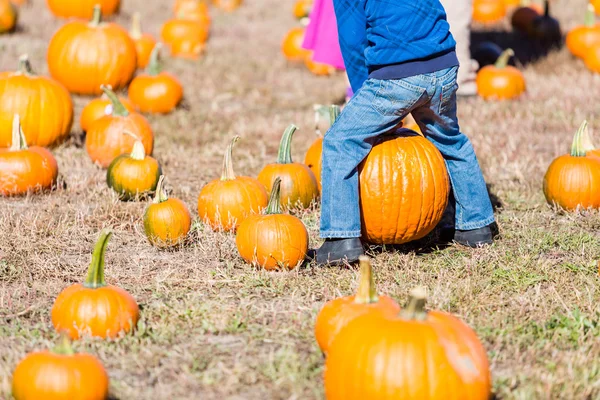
x,y
352,32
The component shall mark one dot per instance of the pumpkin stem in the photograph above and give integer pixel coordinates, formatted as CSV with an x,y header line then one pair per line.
x,y
154,67
19,142
320,110
136,26
161,195
274,206
119,109
25,65
285,146
96,16
64,347
367,293
138,152
586,141
415,309
228,174
590,16
546,8
502,61
334,113
95,276
578,148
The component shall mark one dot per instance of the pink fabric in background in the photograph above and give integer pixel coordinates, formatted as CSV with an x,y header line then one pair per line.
x,y
322,35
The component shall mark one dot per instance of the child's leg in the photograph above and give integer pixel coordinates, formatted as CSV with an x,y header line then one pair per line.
x,y
439,123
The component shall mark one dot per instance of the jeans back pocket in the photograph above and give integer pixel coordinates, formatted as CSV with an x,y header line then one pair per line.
x,y
396,97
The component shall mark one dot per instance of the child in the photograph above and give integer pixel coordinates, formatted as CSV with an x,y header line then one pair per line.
x,y
400,58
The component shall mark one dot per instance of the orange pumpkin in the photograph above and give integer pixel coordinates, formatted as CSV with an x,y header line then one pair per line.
x,y
144,42
98,108
228,5
8,16
273,240
133,175
186,38
45,106
83,9
488,11
413,355
24,169
155,91
500,81
105,140
167,221
299,186
224,203
82,56
192,9
523,17
94,307
302,8
317,68
292,45
583,38
59,374
404,189
573,180
313,158
338,313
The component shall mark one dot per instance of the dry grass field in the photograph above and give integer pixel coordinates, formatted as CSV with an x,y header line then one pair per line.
x,y
215,328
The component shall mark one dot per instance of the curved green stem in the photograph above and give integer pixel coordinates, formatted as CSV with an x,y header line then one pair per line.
x,y
367,292
64,347
415,309
24,65
334,113
95,276
138,152
19,142
590,16
274,206
227,173
96,16
154,67
161,195
119,109
136,26
578,148
502,61
285,146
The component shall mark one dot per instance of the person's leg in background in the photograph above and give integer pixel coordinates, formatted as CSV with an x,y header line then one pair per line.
x,y
459,17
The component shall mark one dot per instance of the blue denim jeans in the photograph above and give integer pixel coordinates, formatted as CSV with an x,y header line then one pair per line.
x,y
377,108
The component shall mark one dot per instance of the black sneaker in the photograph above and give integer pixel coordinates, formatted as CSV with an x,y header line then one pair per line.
x,y
476,237
339,251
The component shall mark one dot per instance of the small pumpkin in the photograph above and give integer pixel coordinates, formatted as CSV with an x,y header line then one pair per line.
x,y
98,108
546,29
313,158
317,68
385,357
25,169
167,221
82,56
44,105
133,175
155,91
299,186
60,373
572,180
228,5
404,189
186,38
94,307
272,240
500,81
302,8
224,203
582,39
105,140
144,42
9,14
488,11
522,18
338,313
82,9
292,45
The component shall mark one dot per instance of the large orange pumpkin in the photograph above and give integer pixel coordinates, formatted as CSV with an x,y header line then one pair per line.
x,y
338,313
224,203
404,189
9,15
573,180
105,140
82,56
582,38
24,169
83,9
413,355
500,81
299,186
144,42
98,108
186,38
94,307
488,11
59,374
292,45
273,240
44,105
313,158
